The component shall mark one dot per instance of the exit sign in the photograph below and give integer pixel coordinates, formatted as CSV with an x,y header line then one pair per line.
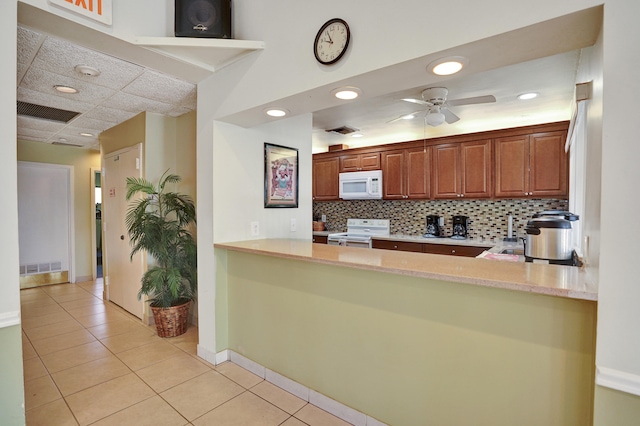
x,y
98,10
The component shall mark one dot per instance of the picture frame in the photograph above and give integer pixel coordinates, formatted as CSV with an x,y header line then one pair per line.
x,y
280,176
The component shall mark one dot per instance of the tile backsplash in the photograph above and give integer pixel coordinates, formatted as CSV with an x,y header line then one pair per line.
x,y
487,218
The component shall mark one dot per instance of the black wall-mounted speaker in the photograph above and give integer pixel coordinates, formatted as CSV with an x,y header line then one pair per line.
x,y
203,18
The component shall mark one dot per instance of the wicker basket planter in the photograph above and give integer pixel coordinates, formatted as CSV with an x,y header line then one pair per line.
x,y
173,321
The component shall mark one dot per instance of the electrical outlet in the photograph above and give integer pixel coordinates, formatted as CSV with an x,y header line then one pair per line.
x,y
324,218
255,229
293,225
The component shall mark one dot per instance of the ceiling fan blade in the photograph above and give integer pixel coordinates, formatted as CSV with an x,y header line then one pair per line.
x,y
472,101
418,101
401,117
449,117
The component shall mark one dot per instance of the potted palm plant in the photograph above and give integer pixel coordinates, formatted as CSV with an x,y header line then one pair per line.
x,y
158,223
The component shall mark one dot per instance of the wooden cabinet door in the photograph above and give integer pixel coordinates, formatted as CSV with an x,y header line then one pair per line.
x,y
325,179
349,163
393,181
397,245
360,162
512,167
548,174
370,161
476,169
446,171
418,172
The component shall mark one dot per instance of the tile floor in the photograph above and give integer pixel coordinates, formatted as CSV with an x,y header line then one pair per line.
x,y
88,362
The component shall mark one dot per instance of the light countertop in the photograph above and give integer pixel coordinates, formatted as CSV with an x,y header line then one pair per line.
x,y
552,280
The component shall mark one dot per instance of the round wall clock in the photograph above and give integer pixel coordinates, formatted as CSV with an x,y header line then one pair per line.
x,y
331,41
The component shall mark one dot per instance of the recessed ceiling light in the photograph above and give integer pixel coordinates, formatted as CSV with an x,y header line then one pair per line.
x,y
357,135
276,112
89,135
447,66
65,89
526,96
346,93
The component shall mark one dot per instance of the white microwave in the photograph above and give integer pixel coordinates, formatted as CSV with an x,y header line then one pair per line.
x,y
361,185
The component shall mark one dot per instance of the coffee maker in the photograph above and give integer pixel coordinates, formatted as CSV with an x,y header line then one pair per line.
x,y
433,226
460,227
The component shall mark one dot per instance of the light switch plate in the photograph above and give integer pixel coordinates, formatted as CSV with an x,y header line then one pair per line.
x,y
293,225
255,229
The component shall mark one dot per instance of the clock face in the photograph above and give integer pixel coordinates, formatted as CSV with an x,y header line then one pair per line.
x,y
331,41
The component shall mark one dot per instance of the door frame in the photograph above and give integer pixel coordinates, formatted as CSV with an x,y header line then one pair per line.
x,y
94,251
70,210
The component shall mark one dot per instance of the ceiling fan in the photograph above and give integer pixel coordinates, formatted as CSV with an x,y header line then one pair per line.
x,y
437,111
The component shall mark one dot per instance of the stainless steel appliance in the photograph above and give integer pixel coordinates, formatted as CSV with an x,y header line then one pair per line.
x,y
360,232
361,185
460,227
549,238
433,226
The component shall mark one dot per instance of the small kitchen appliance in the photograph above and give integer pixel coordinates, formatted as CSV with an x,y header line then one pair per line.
x,y
549,238
365,185
433,226
460,227
360,233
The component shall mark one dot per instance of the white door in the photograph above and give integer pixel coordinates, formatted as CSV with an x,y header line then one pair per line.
x,y
121,274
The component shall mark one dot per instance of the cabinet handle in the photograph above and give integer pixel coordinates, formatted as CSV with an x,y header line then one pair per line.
x,y
453,252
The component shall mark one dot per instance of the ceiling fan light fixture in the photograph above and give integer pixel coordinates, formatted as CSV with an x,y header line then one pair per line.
x,y
276,112
65,89
434,118
447,66
527,96
346,93
408,117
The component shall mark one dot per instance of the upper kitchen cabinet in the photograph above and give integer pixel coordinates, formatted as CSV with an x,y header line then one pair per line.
x,y
325,179
531,165
360,162
462,170
406,173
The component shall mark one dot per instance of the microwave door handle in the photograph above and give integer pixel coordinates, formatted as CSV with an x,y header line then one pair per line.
x,y
369,186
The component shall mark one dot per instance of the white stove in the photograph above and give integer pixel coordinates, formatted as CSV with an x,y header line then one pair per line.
x,y
360,232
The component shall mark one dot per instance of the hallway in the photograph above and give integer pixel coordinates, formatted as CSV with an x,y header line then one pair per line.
x,y
87,362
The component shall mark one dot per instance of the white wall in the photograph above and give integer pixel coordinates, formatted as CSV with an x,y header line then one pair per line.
x,y
618,345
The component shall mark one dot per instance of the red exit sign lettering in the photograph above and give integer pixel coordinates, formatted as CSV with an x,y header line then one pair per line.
x,y
98,10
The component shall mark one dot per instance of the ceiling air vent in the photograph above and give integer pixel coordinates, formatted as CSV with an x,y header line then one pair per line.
x,y
45,113
343,130
66,144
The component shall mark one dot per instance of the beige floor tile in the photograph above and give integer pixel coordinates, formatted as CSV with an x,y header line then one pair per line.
x,y
65,288
150,412
114,328
132,339
31,292
243,377
98,402
40,391
84,376
56,412
74,356
278,397
153,353
29,323
61,342
80,303
38,300
246,409
313,416
31,311
85,311
50,330
292,421
101,318
75,296
202,394
27,348
172,372
34,368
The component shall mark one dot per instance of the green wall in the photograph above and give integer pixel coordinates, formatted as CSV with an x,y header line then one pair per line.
x,y
411,351
11,381
617,408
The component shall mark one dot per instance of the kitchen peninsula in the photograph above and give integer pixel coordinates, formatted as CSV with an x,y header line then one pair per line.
x,y
405,337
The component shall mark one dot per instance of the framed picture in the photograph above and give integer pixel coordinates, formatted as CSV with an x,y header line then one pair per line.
x,y
280,176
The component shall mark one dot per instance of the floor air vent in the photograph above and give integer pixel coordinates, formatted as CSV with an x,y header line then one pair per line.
x,y
45,113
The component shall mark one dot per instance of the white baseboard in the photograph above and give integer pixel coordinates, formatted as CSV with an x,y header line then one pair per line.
x,y
8,319
321,401
618,380
206,354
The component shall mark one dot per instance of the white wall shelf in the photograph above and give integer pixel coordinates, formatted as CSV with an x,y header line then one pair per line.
x,y
207,53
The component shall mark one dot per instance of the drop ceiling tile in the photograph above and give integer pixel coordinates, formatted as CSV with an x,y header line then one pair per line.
x,y
44,81
92,124
53,101
74,138
28,42
61,57
136,104
39,124
33,134
163,88
177,111
109,114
